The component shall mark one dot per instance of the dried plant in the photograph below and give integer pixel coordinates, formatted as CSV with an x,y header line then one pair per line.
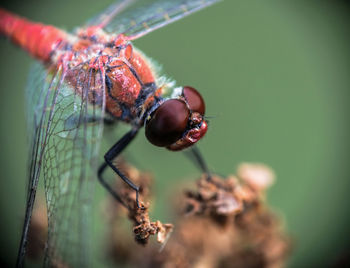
x,y
143,228
225,223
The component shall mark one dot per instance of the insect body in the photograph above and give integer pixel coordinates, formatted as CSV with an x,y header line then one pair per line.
x,y
86,79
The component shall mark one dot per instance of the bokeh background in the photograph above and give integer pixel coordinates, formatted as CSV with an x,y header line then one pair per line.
x,y
275,76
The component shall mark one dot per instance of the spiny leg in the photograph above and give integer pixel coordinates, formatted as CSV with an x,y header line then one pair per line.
x,y
195,155
109,157
74,120
100,172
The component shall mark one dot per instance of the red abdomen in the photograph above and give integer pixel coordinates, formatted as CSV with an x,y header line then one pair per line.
x,y
38,39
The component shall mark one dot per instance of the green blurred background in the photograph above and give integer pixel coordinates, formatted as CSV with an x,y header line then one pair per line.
x,y
275,76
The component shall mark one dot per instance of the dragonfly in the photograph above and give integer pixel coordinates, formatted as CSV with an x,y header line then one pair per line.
x,y
83,81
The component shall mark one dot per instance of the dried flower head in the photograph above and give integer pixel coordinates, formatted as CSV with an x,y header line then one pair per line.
x,y
226,223
143,227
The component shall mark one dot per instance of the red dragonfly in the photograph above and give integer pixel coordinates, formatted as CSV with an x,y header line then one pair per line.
x,y
92,77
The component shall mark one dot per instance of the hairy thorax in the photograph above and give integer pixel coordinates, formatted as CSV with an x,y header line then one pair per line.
x,y
98,66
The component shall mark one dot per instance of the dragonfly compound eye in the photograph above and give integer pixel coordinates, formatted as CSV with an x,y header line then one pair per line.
x,y
168,123
194,100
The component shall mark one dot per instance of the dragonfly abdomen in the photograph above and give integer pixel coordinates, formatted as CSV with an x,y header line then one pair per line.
x,y
37,39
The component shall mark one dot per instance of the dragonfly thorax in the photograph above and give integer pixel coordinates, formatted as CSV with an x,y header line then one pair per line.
x,y
126,74
130,90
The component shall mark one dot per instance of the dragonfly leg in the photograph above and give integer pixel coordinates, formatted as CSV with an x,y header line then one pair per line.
x,y
74,121
196,156
100,172
109,157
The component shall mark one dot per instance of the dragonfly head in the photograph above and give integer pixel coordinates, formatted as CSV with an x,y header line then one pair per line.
x,y
178,123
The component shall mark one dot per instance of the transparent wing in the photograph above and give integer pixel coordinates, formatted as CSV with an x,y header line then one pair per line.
x,y
137,18
65,115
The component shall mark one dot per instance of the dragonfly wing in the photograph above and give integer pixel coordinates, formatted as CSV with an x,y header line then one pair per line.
x,y
110,13
67,116
36,101
142,17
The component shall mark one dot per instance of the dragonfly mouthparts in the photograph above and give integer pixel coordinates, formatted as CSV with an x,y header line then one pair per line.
x,y
191,137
